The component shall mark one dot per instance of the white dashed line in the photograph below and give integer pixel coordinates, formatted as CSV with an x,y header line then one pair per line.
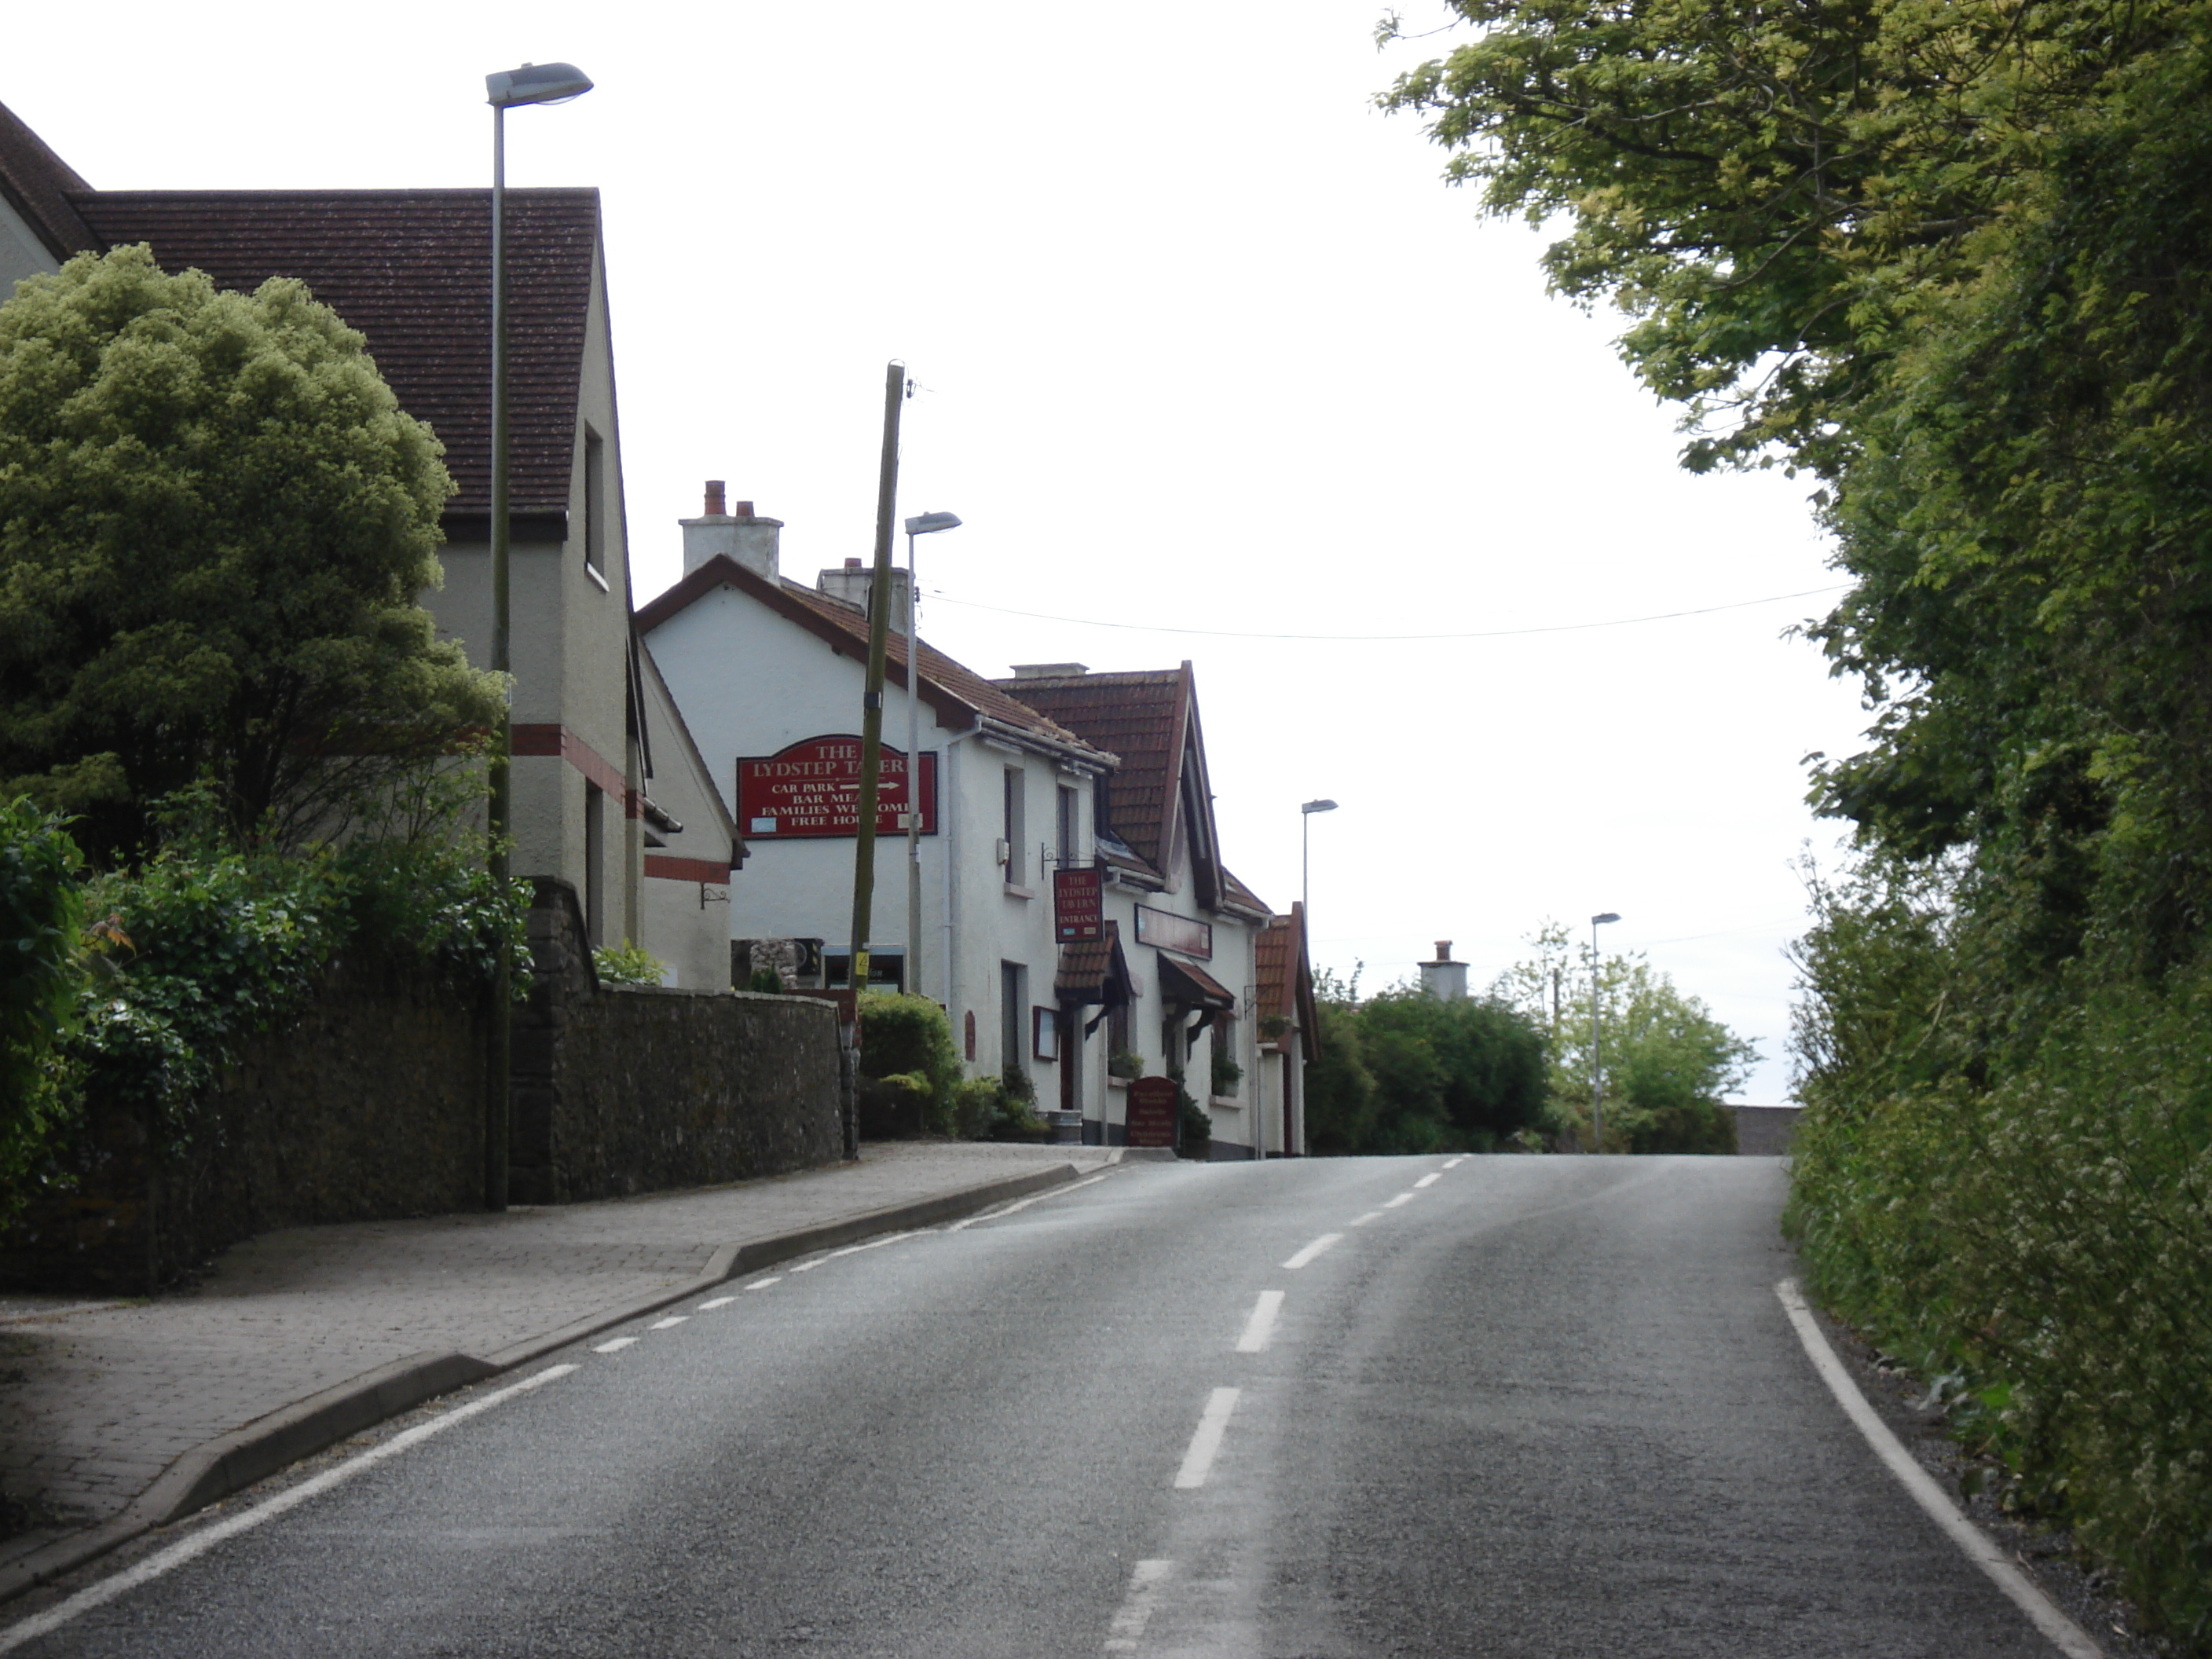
x,y
1402,1198
1023,1203
1312,1250
1372,1215
718,1302
1262,1321
1136,1610
668,1324
617,1345
154,1566
1453,1164
763,1283
1429,1180
1208,1440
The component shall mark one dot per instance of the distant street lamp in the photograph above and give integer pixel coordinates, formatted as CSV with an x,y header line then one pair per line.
x,y
1597,1052
926,524
533,83
1305,863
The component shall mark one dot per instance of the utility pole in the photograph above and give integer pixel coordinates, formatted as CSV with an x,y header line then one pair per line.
x,y
871,710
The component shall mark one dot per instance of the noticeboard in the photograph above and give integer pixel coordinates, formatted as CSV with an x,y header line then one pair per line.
x,y
812,788
1079,904
1152,1112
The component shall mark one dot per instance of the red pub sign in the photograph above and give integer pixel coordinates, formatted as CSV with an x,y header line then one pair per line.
x,y
813,788
1079,904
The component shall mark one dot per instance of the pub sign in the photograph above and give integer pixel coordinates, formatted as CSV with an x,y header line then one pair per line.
x,y
812,788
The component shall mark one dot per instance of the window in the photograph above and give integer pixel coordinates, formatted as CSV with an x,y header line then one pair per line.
x,y
1070,826
1013,1013
595,854
1015,833
595,504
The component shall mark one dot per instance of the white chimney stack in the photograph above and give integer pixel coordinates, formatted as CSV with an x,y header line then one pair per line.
x,y
1445,979
742,537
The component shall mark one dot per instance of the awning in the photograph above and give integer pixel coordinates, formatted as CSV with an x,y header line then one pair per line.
x,y
1094,970
1192,986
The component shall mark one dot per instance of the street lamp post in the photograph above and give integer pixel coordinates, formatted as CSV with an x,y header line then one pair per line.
x,y
533,83
1597,1052
926,524
1305,861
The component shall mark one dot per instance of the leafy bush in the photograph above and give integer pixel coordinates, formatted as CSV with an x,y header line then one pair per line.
x,y
1226,1072
1126,1064
1194,1126
628,964
1017,1118
910,1038
41,945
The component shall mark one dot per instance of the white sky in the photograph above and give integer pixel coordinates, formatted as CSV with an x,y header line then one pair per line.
x,y
1204,344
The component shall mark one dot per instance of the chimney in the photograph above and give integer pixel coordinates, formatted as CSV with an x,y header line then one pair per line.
x,y
852,583
742,537
1445,979
1050,671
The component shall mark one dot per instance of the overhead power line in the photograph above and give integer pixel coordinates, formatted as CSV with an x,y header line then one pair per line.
x,y
1486,633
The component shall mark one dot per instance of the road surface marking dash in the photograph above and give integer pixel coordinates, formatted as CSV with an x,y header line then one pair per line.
x,y
154,1566
1262,1321
1372,1215
763,1283
718,1302
1136,1610
1454,1163
1312,1250
668,1324
1212,1426
617,1345
1402,1198
2069,1638
1429,1180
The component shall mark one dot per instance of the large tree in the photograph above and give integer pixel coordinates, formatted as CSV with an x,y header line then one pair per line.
x,y
214,521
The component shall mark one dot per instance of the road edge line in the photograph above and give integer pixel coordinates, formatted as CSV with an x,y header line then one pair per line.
x,y
1984,1551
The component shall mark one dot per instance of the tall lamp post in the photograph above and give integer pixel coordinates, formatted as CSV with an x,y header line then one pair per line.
x,y
1597,1053
533,83
926,524
1305,863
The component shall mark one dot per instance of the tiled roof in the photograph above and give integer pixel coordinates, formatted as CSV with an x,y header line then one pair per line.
x,y
38,184
411,270
1188,983
1093,970
1283,989
1142,717
1234,892
952,689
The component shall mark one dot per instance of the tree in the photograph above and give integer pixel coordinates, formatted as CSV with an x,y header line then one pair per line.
x,y
214,521
1468,1073
1667,1060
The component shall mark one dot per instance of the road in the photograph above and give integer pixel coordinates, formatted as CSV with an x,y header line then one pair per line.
x,y
1512,1405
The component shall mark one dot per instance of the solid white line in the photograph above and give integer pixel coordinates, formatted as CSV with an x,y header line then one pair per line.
x,y
1136,1610
1429,1180
1312,1250
1372,1215
1023,1203
1262,1321
2069,1638
668,1324
1402,1198
617,1345
854,1249
154,1566
718,1302
1212,1426
763,1283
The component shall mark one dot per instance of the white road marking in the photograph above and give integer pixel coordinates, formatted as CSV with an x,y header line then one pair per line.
x,y
1262,1321
1023,1203
154,1566
2069,1638
1402,1198
1453,1164
1372,1215
854,1249
1312,1250
1429,1180
1212,1426
718,1302
617,1345
668,1324
763,1283
1136,1610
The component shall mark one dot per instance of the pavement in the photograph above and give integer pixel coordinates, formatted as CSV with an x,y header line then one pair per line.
x,y
116,1417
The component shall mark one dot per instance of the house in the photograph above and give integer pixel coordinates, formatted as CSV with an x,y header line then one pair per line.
x,y
596,739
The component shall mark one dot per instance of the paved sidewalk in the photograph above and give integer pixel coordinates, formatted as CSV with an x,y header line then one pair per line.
x,y
97,1399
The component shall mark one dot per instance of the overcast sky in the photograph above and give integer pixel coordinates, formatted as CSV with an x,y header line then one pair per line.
x,y
1212,366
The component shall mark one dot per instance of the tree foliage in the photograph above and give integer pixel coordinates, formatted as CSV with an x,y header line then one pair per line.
x,y
215,520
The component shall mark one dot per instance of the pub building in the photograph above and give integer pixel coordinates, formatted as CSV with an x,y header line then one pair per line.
x,y
1076,919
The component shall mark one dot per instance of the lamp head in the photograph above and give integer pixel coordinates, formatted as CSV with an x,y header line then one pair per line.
x,y
1318,806
927,524
536,83
1609,916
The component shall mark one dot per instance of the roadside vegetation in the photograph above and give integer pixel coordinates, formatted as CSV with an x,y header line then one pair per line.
x,y
1953,262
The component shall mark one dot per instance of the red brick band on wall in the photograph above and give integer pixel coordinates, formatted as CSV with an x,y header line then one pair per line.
x,y
552,741
669,867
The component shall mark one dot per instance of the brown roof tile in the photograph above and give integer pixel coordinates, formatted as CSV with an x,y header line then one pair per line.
x,y
1093,970
1283,989
38,184
411,270
1142,717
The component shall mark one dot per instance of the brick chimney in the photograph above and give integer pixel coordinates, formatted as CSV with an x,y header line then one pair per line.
x,y
743,537
1445,979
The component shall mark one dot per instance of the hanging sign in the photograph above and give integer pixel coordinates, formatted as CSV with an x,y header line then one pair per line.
x,y
1169,932
812,788
1079,904
1152,1112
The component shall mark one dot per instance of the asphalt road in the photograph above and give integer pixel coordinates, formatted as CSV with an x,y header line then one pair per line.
x,y
1542,1407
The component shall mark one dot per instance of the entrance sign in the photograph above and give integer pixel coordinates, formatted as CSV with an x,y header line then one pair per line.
x,y
1152,1112
814,789
1079,904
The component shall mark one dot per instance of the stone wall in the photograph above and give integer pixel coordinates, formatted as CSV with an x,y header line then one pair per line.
x,y
620,1091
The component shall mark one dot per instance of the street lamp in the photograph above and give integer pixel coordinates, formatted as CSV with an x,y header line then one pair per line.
x,y
533,83
926,524
1597,1053
1305,862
